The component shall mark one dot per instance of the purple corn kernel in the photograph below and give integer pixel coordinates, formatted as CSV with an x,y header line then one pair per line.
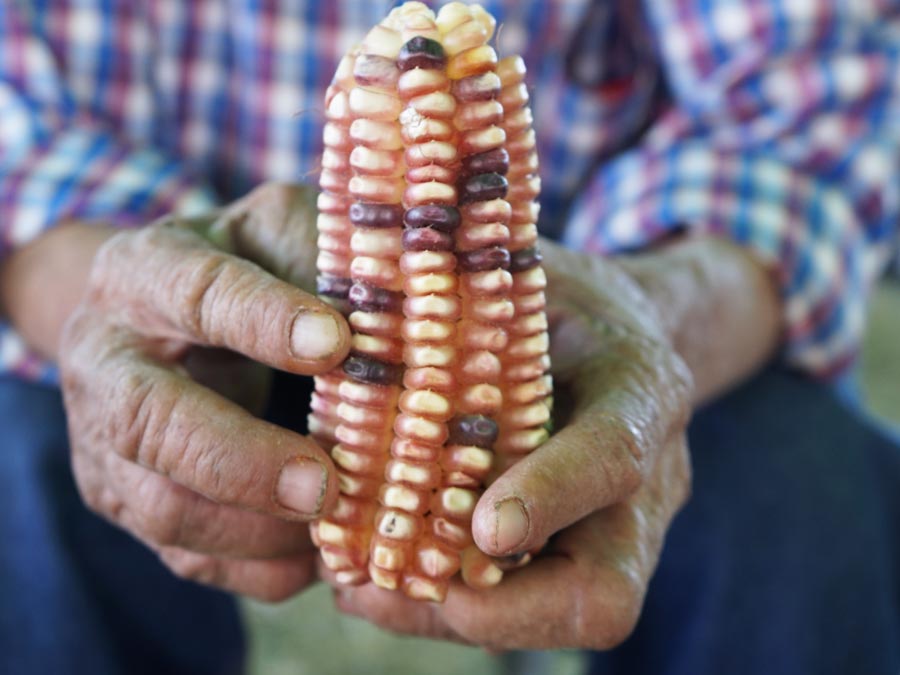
x,y
476,430
483,188
371,70
421,52
333,287
476,88
442,218
525,259
372,371
483,259
492,161
426,239
376,215
368,298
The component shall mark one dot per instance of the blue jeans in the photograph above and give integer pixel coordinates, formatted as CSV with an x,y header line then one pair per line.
x,y
77,595
786,560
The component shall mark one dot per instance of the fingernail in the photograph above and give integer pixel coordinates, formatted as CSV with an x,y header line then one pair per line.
x,y
511,526
301,486
314,335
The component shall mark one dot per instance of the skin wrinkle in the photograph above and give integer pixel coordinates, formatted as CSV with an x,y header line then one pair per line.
x,y
629,473
597,307
281,242
211,298
259,297
230,486
196,567
127,328
206,526
706,281
173,521
131,442
642,390
203,461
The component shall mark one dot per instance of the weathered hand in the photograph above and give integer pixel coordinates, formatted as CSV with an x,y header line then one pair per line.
x,y
215,491
603,489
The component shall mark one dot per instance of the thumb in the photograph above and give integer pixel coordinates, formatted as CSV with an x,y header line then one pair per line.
x,y
275,227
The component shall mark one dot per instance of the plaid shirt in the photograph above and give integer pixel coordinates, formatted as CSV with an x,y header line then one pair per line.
x,y
774,122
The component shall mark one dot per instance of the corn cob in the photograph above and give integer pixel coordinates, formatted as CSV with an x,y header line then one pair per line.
x,y
427,243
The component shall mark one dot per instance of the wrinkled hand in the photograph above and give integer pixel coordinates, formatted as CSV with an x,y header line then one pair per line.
x,y
218,493
604,488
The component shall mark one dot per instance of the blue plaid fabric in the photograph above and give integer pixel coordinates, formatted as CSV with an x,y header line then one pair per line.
x,y
774,123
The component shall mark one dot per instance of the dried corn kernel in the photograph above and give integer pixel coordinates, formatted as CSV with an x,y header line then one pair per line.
x,y
427,242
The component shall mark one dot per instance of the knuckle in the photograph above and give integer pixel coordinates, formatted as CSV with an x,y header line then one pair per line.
x,y
111,504
631,455
86,344
73,335
102,501
609,616
134,415
269,206
205,294
683,391
277,593
91,495
106,265
161,514
203,569
626,600
94,486
621,628
212,471
275,195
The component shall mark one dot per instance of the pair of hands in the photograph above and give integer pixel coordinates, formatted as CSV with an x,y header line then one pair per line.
x,y
164,442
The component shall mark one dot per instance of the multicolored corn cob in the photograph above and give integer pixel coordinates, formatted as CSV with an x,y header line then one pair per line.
x,y
427,243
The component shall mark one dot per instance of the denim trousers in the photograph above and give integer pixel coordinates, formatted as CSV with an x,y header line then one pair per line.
x,y
786,560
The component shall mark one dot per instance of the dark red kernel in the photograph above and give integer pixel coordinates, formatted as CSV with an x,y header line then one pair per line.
x,y
426,239
421,52
370,69
483,188
492,161
333,287
443,218
372,371
376,215
476,430
372,299
476,88
483,259
525,259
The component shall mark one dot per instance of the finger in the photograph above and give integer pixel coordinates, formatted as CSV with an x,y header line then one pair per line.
x,y
553,603
588,587
570,598
275,227
626,410
149,414
171,283
266,580
162,513
235,377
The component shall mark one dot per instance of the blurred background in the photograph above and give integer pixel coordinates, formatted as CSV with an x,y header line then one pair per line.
x,y
306,636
